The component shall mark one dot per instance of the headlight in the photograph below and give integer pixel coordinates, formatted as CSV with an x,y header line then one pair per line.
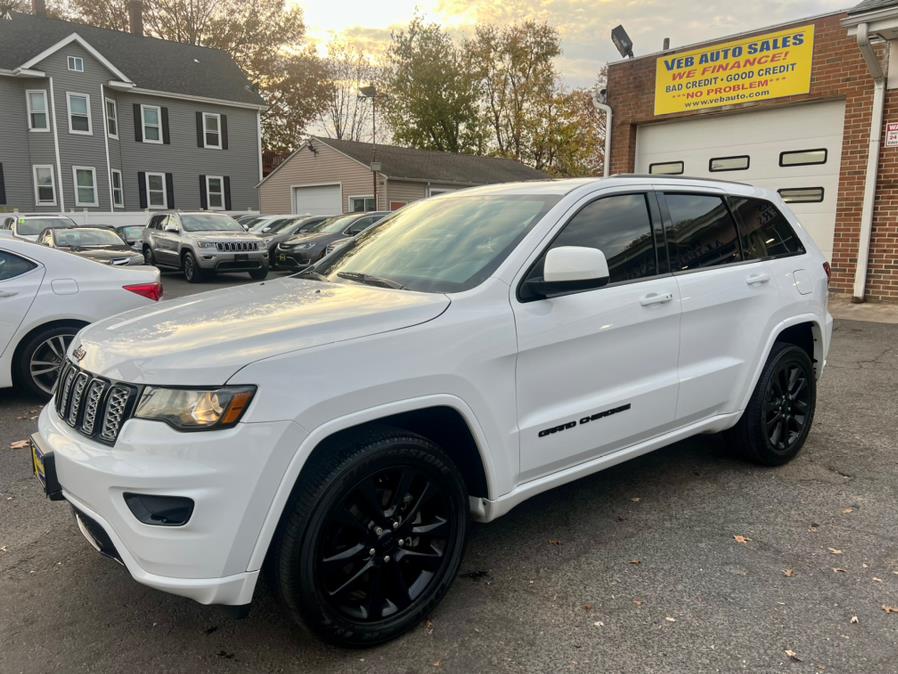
x,y
303,246
195,409
206,244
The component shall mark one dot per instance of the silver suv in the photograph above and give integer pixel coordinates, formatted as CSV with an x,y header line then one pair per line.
x,y
203,243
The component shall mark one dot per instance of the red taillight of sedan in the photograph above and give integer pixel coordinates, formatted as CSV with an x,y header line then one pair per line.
x,y
152,291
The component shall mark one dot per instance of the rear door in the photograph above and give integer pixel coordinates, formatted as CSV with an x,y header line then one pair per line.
x,y
727,301
167,247
20,279
596,369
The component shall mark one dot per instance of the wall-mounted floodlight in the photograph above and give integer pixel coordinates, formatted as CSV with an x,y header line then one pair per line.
x,y
622,41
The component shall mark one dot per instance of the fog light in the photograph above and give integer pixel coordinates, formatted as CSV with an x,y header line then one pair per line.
x,y
165,511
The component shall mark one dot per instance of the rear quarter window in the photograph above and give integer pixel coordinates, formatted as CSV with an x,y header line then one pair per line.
x,y
764,230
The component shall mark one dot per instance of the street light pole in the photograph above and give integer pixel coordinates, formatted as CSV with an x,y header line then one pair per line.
x,y
371,92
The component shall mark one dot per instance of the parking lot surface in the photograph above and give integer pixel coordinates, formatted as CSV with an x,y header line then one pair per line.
x,y
685,560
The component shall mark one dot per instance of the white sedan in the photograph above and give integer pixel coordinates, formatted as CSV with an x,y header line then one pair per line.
x,y
47,296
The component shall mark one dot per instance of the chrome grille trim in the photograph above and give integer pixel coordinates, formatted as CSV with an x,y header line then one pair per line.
x,y
94,395
93,406
116,403
237,246
77,392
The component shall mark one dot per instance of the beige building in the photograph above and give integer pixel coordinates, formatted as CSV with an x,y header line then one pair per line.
x,y
327,176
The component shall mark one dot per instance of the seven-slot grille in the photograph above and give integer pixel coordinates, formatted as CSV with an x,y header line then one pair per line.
x,y
238,246
93,406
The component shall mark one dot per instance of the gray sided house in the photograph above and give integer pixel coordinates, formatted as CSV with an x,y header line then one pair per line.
x,y
326,176
101,120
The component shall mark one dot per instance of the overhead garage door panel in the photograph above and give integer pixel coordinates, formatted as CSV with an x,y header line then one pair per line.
x,y
762,136
318,200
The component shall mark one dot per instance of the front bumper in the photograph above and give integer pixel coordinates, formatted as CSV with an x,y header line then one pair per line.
x,y
230,475
216,261
297,259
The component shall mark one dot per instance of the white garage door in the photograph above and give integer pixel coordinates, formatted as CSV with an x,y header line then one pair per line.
x,y
797,150
318,200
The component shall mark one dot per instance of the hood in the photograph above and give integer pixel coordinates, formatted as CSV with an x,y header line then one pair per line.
x,y
224,236
323,238
204,339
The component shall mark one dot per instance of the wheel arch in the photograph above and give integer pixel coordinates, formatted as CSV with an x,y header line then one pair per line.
x,y
441,419
23,340
806,332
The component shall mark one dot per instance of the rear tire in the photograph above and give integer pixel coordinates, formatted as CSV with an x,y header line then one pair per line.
x,y
39,361
776,422
371,538
192,271
148,256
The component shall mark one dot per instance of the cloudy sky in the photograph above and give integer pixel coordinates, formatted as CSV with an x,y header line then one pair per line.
x,y
584,25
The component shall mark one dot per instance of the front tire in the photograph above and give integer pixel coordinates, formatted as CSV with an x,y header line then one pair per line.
x,y
192,271
371,539
40,360
259,274
778,418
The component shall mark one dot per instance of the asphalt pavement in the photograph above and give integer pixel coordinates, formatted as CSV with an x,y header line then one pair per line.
x,y
684,560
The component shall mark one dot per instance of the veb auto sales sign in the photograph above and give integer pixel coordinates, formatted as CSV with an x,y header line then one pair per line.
x,y
743,71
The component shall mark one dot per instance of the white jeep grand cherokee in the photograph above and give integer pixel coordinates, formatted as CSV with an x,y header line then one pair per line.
x,y
475,349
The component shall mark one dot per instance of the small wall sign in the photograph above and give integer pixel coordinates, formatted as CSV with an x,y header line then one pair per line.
x,y
891,134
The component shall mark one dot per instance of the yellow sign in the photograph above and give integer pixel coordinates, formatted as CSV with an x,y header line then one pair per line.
x,y
754,69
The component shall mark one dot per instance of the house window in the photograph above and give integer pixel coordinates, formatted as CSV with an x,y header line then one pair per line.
x,y
111,118
667,168
44,185
85,179
38,118
434,191
156,194
151,116
118,193
79,113
76,64
212,130
215,193
361,204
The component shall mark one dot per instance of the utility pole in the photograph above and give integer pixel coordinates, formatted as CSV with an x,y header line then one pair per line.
x,y
371,92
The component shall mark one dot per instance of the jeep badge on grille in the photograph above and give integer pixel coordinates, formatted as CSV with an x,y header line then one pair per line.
x,y
79,354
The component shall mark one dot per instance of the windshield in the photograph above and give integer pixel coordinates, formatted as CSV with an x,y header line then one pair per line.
x,y
34,226
444,245
209,222
335,224
132,232
80,237
274,226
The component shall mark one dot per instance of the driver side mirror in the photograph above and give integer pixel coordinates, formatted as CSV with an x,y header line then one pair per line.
x,y
569,268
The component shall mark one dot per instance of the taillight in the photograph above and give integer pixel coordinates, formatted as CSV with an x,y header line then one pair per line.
x,y
152,291
828,270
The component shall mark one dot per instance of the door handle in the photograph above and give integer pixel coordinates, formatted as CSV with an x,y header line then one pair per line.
x,y
757,279
8,293
655,298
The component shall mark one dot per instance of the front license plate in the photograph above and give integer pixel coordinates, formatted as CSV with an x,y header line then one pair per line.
x,y
37,464
241,257
44,467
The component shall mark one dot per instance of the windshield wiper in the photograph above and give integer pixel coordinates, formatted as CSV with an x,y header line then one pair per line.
x,y
370,280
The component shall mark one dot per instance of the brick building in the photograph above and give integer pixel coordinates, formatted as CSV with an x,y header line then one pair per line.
x,y
803,108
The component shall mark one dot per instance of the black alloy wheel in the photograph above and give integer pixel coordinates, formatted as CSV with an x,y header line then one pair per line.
x,y
776,422
787,405
192,272
148,256
383,544
372,539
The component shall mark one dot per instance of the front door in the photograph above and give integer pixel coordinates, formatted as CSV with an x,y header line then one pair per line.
x,y
597,369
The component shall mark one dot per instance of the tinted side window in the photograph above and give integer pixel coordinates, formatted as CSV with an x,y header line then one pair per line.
x,y
702,232
621,228
13,265
764,229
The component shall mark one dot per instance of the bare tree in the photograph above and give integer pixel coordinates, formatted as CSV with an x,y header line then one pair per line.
x,y
347,115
